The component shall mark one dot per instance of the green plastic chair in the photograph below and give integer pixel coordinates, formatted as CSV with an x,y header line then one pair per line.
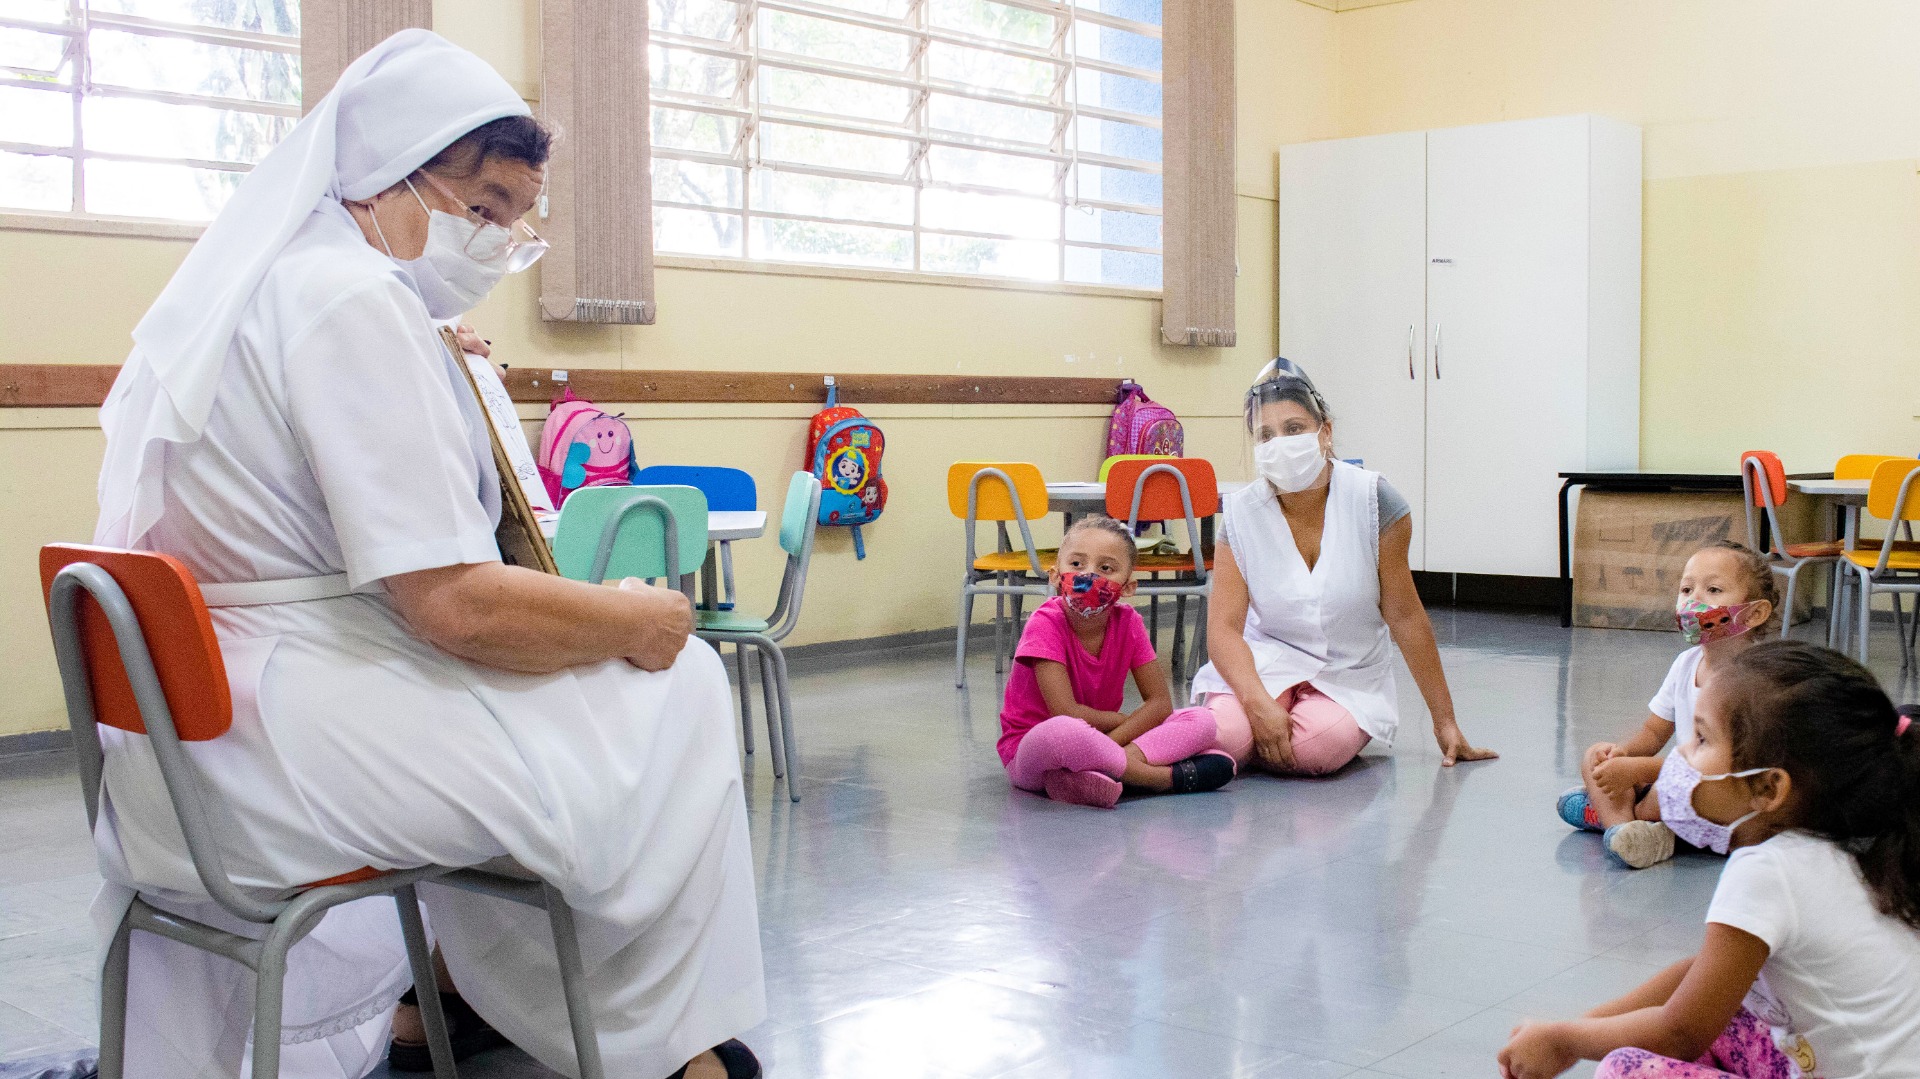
x,y
1106,466
618,532
799,519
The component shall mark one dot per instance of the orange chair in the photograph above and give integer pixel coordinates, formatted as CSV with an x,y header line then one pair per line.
x,y
1165,490
1763,480
1004,492
137,652
1888,567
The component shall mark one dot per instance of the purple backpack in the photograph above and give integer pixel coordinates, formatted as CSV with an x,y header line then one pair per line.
x,y
1140,426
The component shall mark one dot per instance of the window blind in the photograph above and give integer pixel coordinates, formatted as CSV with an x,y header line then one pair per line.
x,y
1197,309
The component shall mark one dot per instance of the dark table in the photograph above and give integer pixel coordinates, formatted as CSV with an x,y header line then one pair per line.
x,y
1630,480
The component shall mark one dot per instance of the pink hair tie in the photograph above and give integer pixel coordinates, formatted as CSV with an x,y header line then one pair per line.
x,y
1901,727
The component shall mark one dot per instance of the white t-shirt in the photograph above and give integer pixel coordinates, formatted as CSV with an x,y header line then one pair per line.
x,y
1840,976
1674,702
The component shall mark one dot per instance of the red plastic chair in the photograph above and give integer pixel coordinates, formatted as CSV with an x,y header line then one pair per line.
x,y
1763,481
1167,490
170,685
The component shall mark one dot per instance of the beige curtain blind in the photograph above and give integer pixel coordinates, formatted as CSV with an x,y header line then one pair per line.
x,y
1198,158
599,208
334,32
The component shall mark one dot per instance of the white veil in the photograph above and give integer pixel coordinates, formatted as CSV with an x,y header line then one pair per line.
x,y
393,109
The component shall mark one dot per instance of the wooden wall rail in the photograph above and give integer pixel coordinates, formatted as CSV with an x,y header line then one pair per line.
x,y
59,385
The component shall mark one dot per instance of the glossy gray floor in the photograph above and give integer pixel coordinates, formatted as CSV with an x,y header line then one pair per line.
x,y
922,919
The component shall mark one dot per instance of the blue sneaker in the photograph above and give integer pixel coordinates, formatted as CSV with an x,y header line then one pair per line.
x,y
1638,844
1577,811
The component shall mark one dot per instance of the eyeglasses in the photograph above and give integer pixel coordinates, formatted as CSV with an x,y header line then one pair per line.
x,y
516,247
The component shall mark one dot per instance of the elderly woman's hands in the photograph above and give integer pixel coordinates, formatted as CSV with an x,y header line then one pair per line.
x,y
664,630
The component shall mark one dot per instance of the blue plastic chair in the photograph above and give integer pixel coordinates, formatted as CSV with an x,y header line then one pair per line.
x,y
727,489
799,520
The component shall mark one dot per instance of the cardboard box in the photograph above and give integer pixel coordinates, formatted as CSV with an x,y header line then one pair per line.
x,y
1629,548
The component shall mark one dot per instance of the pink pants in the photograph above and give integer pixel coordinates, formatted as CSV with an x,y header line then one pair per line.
x,y
1325,735
1077,746
1745,1050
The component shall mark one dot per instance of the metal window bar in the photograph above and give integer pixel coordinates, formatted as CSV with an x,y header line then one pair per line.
x,y
744,100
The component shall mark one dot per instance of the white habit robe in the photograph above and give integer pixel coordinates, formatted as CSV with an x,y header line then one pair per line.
x,y
1319,625
343,440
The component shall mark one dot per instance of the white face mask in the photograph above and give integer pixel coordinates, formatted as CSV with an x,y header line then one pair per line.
x,y
461,264
1291,463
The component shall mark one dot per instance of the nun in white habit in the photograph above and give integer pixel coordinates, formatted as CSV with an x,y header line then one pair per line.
x,y
289,426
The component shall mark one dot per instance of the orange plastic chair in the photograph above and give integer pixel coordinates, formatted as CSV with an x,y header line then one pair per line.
x,y
1005,493
137,652
1169,489
1763,480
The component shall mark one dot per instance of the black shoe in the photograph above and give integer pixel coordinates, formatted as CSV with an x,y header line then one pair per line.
x,y
1208,771
468,1032
735,1057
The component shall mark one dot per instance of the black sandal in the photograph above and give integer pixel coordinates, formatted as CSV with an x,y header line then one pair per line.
x,y
734,1056
1208,771
469,1034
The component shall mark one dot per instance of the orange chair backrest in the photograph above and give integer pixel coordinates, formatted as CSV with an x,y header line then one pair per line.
x,y
1861,466
179,634
995,503
1160,500
1883,493
1770,467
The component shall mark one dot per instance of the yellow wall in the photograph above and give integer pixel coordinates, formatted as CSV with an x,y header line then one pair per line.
x,y
1782,228
74,298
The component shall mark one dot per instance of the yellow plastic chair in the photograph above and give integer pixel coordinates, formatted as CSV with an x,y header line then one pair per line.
x,y
1889,567
1106,466
1859,466
1004,492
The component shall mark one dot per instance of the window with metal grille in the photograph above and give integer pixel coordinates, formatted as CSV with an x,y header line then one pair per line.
x,y
141,108
1002,138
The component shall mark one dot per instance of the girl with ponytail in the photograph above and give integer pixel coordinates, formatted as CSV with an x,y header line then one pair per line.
x,y
1799,765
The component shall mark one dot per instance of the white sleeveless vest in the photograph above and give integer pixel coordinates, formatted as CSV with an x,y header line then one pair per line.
x,y
1321,625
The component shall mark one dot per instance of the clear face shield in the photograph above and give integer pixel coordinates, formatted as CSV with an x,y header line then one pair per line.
x,y
1286,445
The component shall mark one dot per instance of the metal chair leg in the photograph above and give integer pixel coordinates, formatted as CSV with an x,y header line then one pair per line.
x,y
961,627
269,991
1018,624
425,985
1786,616
746,698
999,630
573,983
786,721
113,1003
1866,611
769,691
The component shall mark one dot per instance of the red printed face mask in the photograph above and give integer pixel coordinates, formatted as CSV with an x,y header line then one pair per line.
x,y
1088,594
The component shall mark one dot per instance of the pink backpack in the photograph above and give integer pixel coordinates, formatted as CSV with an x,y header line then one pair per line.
x,y
581,446
1140,426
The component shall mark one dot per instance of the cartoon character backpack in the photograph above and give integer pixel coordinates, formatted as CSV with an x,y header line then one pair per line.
x,y
844,450
581,446
1140,426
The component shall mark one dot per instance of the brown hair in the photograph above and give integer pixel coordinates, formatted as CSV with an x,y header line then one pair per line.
x,y
1758,577
514,138
1116,529
1825,721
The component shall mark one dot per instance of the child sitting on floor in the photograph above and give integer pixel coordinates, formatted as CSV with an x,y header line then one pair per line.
x,y
1814,781
1727,598
1061,731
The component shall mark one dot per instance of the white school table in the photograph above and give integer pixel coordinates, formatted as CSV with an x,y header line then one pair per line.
x,y
723,526
1850,497
1077,498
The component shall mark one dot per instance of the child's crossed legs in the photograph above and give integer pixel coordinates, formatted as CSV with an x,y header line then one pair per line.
x,y
1067,744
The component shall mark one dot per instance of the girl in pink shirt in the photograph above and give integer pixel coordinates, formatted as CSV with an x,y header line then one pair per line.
x,y
1062,733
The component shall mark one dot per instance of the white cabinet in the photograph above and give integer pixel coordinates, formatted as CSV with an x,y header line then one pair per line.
x,y
1468,301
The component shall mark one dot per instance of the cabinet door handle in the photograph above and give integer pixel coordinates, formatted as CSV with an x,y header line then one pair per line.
x,y
1410,374
1436,350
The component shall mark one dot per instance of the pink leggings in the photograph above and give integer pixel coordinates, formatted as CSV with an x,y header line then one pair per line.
x,y
1325,735
1077,746
1745,1050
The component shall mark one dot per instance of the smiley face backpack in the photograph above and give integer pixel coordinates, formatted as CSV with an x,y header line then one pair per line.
x,y
844,450
582,446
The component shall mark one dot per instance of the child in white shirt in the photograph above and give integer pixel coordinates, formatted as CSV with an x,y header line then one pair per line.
x,y
1726,604
1808,967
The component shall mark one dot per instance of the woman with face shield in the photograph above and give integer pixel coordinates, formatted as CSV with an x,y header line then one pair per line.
x,y
290,427
1310,581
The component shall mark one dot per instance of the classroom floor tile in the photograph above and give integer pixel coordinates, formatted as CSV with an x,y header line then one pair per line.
x,y
921,918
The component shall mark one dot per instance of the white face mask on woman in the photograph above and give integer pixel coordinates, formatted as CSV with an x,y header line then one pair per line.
x,y
1292,463
463,259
